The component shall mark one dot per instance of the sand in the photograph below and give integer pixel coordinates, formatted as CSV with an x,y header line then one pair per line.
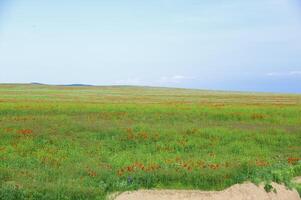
x,y
246,191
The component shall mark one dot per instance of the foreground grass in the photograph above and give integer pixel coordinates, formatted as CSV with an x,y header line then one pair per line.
x,y
84,142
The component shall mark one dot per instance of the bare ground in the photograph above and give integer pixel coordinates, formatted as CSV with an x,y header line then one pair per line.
x,y
246,191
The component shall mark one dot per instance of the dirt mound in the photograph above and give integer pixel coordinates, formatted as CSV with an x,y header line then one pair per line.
x,y
246,191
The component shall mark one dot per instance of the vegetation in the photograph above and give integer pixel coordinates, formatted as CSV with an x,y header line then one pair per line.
x,y
85,142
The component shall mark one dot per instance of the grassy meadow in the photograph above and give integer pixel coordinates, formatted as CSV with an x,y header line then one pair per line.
x,y
86,142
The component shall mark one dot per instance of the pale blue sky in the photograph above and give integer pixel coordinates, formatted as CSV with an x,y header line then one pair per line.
x,y
209,44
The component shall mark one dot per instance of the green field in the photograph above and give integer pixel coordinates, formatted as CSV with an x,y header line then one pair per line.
x,y
85,142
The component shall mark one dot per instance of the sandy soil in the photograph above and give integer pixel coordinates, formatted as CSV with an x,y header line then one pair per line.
x,y
246,191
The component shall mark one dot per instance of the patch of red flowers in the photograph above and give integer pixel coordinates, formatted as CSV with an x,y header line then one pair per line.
x,y
91,172
136,167
293,161
25,132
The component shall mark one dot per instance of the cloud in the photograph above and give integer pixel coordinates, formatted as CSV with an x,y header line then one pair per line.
x,y
295,73
289,73
175,79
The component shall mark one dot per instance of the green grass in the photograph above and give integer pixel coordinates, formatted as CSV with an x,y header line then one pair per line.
x,y
85,142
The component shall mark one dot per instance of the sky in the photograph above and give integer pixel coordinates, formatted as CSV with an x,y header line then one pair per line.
x,y
209,44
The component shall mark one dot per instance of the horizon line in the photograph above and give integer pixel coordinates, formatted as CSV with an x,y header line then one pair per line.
x,y
150,86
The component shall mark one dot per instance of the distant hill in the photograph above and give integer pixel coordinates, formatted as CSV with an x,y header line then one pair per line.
x,y
70,85
36,83
77,85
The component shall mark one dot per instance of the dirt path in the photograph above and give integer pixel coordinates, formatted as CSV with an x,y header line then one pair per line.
x,y
247,191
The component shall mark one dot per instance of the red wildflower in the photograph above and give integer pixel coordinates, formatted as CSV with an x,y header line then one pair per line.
x,y
25,131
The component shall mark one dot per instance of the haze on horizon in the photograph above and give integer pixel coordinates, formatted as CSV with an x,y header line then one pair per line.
x,y
225,45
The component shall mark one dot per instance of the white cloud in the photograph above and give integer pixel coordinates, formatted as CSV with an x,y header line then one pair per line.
x,y
274,74
295,73
176,79
289,73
